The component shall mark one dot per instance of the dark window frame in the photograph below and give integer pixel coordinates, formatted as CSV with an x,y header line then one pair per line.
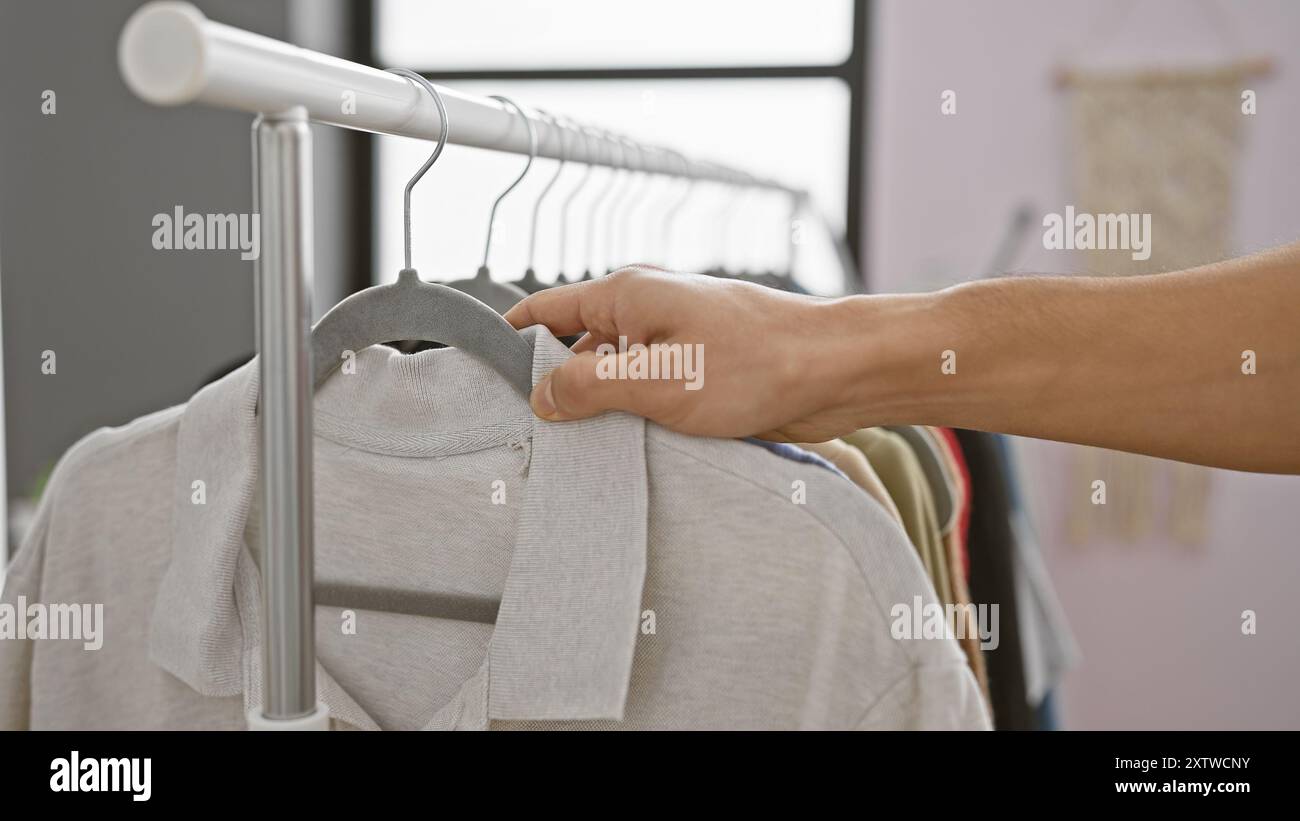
x,y
852,72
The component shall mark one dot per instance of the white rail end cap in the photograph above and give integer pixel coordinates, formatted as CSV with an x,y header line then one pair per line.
x,y
160,52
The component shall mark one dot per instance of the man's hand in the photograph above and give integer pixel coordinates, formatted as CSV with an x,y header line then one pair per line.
x,y
761,348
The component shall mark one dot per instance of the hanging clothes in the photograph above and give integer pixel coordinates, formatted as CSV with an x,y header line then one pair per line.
x,y
904,479
795,453
855,466
933,466
961,527
1049,648
646,579
943,551
993,577
900,471
954,541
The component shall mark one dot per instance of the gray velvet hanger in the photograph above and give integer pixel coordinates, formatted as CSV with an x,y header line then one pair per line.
x,y
413,309
594,208
500,296
633,185
530,284
561,278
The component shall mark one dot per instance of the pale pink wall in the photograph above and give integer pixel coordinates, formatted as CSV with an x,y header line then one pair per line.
x,y
1159,627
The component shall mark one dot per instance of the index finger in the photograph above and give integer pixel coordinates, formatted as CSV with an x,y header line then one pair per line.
x,y
559,309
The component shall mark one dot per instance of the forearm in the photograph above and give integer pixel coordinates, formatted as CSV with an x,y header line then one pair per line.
x,y
1145,364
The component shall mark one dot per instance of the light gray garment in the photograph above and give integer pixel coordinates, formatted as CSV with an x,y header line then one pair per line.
x,y
647,579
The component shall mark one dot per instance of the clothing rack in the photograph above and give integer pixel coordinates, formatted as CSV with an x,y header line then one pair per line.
x,y
169,54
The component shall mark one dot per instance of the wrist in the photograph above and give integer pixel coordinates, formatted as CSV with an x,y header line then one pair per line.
x,y
897,359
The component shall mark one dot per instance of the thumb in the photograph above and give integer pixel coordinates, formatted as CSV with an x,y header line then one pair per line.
x,y
589,384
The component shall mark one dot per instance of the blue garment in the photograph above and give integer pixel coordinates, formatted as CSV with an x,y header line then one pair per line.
x,y
796,454
1049,649
1013,481
1046,713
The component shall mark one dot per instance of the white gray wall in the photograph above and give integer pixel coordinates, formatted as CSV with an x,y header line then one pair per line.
x,y
1159,625
134,329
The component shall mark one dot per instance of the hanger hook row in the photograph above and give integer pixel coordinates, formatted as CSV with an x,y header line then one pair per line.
x,y
631,183
585,132
670,217
437,151
554,123
532,154
609,140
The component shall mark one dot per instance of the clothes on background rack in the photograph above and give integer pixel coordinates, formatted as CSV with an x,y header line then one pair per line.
x,y
796,454
645,579
959,534
954,537
933,466
1049,646
902,475
992,577
986,544
853,464
907,486
910,486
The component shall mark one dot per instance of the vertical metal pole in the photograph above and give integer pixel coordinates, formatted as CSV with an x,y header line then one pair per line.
x,y
284,344
4,475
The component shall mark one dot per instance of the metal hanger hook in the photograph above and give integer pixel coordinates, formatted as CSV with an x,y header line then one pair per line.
x,y
559,169
585,132
437,150
532,154
614,238
609,140
670,218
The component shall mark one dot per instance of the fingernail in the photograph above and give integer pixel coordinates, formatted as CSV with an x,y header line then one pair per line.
x,y
543,400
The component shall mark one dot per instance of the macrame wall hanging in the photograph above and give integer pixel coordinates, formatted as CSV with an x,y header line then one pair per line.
x,y
1163,143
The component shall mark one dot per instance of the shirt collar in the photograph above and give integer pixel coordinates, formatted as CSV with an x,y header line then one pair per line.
x,y
563,643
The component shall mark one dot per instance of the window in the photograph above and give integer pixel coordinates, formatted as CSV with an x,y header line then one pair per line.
x,y
752,84
603,34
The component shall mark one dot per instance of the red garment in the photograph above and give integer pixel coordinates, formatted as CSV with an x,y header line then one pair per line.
x,y
949,439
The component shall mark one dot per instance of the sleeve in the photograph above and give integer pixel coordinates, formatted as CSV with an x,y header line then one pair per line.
x,y
22,585
930,697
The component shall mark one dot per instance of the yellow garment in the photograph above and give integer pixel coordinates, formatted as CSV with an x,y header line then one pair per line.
x,y
855,466
897,466
952,537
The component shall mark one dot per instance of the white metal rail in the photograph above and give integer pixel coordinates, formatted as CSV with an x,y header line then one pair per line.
x,y
170,54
